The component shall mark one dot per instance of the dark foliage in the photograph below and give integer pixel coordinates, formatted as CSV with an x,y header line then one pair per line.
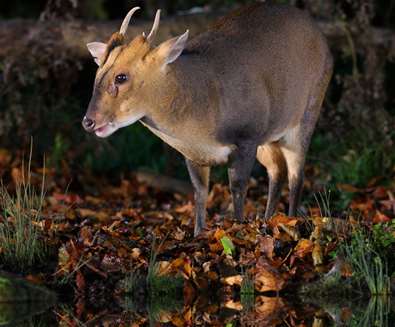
x,y
44,91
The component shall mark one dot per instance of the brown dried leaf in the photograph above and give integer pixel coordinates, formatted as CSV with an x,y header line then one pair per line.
x,y
80,281
163,267
266,245
5,157
268,306
275,221
164,317
232,280
267,278
136,252
88,213
318,257
233,305
303,248
380,218
291,231
179,234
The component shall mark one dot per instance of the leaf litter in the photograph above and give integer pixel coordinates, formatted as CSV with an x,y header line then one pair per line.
x,y
102,237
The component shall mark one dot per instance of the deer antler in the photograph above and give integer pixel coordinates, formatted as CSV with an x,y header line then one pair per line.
x,y
126,21
155,27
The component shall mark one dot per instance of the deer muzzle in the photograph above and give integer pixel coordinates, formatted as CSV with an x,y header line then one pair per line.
x,y
88,124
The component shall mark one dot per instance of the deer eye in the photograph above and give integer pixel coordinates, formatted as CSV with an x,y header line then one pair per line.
x,y
121,78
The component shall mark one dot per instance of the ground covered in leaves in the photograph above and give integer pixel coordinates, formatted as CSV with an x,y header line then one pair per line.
x,y
101,235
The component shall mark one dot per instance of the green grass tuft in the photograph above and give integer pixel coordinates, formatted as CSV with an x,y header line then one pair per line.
x,y
21,244
367,265
376,314
157,283
247,292
163,284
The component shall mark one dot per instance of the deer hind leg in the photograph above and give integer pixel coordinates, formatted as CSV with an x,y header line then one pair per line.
x,y
271,157
294,155
295,143
294,146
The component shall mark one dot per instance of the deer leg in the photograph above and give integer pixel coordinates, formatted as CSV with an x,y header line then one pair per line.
x,y
239,172
271,157
200,177
295,143
295,162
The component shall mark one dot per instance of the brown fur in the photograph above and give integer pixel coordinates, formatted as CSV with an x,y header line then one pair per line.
x,y
258,78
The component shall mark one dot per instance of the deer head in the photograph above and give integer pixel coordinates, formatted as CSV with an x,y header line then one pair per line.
x,y
129,77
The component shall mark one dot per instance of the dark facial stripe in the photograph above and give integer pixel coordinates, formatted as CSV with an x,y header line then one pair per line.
x,y
104,74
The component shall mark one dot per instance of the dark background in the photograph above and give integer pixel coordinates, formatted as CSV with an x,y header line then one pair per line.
x,y
44,93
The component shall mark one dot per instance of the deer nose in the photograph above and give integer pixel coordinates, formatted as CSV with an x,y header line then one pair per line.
x,y
88,124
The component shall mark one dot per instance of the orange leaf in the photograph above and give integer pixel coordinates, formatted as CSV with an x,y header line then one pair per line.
x,y
187,208
136,252
282,219
303,248
233,305
219,233
232,280
380,218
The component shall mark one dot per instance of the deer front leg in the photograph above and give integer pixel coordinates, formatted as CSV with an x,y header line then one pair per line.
x,y
200,177
239,172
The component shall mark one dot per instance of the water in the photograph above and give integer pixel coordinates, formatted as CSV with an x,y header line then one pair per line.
x,y
201,311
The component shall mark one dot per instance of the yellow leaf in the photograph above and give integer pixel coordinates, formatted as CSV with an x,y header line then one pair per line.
x,y
232,280
317,254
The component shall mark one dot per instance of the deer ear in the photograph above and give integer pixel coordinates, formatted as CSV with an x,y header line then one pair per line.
x,y
170,50
97,50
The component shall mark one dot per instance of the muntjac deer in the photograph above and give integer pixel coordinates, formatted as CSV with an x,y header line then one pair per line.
x,y
250,87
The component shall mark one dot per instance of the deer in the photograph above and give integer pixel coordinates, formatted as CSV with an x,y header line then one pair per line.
x,y
250,87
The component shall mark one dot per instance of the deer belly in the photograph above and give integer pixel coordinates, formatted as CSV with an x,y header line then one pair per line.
x,y
202,153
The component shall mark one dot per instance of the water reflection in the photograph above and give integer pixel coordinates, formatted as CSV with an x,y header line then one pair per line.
x,y
267,311
20,301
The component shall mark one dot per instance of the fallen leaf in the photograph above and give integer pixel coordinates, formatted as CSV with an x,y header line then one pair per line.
x,y
179,234
267,306
266,246
348,188
219,233
233,305
267,278
291,231
232,280
228,245
303,248
88,213
318,257
380,218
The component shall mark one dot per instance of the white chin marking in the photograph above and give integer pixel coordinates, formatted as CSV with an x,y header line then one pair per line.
x,y
110,128
129,121
106,130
